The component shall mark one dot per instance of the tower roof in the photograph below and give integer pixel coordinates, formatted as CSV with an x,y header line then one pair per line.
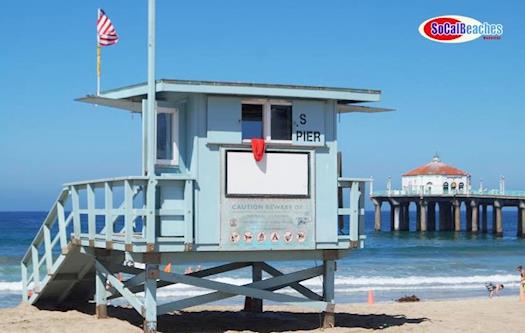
x,y
436,167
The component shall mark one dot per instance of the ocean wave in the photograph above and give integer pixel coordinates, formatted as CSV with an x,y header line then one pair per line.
x,y
346,284
424,280
10,286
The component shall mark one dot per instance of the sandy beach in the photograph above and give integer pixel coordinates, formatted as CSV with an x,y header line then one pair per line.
x,y
501,314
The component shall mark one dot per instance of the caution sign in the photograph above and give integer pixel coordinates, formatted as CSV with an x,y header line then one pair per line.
x,y
267,224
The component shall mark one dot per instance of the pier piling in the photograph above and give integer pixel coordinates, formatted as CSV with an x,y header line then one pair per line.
x,y
484,227
498,221
404,218
422,215
397,213
474,215
377,214
521,219
468,217
457,215
432,216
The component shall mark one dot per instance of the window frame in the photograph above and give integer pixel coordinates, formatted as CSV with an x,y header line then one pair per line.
x,y
174,137
267,117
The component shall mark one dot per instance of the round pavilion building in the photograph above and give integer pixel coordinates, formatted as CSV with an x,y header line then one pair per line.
x,y
436,178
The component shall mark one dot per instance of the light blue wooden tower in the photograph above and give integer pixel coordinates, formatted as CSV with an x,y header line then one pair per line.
x,y
202,197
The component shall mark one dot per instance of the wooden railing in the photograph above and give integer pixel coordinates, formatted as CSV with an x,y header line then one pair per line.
x,y
354,228
103,213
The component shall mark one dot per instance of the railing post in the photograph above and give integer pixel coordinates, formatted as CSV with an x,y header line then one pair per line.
x,y
36,268
128,215
188,217
23,269
151,216
47,249
354,211
61,226
91,214
75,206
361,207
108,205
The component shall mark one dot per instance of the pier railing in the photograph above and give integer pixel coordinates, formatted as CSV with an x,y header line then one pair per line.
x,y
116,213
451,193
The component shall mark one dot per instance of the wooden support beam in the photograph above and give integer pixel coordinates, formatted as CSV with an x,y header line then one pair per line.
x,y
202,273
253,304
295,285
255,289
25,292
36,268
125,292
149,311
101,300
329,293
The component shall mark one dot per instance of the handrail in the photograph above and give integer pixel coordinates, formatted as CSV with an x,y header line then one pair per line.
x,y
130,178
49,236
356,209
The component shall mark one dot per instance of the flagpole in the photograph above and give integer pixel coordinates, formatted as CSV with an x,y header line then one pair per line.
x,y
98,68
98,57
150,115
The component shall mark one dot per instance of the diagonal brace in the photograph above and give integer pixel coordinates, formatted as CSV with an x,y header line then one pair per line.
x,y
120,287
295,285
202,273
255,289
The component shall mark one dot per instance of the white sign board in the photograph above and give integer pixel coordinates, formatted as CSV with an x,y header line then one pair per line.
x,y
277,174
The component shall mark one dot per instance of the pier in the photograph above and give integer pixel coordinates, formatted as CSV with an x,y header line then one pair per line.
x,y
443,194
444,212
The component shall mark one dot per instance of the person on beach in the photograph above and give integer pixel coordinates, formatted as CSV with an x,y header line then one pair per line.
x,y
494,289
522,282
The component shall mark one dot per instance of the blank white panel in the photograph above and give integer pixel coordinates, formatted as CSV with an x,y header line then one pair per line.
x,y
276,174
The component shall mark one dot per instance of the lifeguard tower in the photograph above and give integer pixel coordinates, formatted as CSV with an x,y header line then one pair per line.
x,y
208,193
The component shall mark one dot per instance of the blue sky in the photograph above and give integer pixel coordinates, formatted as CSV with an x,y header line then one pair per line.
x,y
462,100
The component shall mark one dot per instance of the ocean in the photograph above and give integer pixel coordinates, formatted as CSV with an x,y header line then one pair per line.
x,y
434,265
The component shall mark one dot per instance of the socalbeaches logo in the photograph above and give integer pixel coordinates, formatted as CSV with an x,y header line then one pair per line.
x,y
458,29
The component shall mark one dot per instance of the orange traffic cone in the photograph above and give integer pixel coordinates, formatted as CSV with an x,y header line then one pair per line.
x,y
371,298
167,269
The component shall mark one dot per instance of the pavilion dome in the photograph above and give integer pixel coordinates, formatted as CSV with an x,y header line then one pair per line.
x,y
436,167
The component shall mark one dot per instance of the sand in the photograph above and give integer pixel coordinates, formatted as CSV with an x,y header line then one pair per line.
x,y
501,314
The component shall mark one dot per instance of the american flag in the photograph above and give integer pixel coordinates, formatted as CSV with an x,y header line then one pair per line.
x,y
106,33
